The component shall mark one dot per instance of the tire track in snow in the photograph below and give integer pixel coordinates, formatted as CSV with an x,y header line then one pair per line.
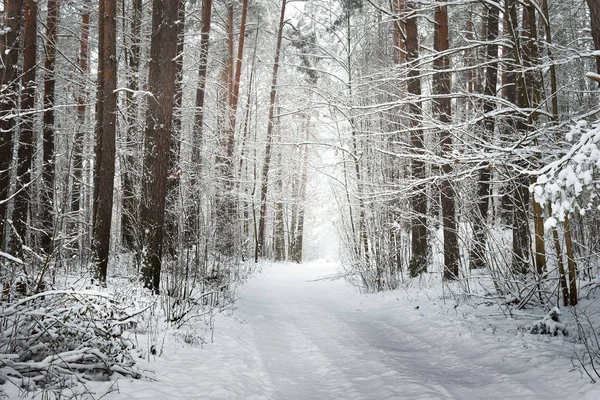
x,y
315,344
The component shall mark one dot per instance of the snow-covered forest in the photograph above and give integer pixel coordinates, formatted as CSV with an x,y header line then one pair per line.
x,y
192,189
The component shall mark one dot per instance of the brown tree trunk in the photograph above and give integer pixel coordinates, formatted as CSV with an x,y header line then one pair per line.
x,y
478,251
48,130
271,121
442,82
130,209
225,206
201,91
595,25
27,142
399,8
105,146
532,86
521,199
554,96
194,213
179,74
418,201
172,220
157,143
9,56
82,99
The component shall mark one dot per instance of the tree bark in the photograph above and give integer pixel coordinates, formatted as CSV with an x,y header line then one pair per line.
x,y
192,229
442,82
477,257
48,129
82,99
9,56
595,25
264,187
130,201
418,201
105,145
157,143
27,142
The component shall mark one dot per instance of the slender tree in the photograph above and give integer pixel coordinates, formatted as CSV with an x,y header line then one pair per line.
x,y
442,82
202,71
157,137
195,211
83,61
9,56
130,202
595,24
48,128
105,145
26,142
264,186
478,251
418,201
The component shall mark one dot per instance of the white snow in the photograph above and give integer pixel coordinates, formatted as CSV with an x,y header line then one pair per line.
x,y
295,336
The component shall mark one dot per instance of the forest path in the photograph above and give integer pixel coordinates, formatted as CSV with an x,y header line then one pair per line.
x,y
295,336
321,339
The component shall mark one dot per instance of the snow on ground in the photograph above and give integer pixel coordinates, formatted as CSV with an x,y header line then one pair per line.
x,y
295,336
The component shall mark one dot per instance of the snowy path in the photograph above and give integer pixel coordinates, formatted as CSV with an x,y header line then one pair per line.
x,y
307,339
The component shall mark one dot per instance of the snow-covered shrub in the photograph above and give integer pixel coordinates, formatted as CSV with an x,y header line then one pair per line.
x,y
571,182
549,325
49,337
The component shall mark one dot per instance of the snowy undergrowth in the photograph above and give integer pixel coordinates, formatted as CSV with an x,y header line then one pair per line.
x,y
56,343
300,331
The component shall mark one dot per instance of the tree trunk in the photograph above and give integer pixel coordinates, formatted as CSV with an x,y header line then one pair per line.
x,y
105,146
130,209
595,25
532,86
418,201
195,211
9,56
271,121
573,297
48,130
82,99
442,82
27,142
477,257
399,8
554,97
296,253
157,143
225,208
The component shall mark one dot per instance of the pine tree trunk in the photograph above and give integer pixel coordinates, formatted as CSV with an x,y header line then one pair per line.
x,y
9,56
478,251
554,102
532,86
48,129
418,201
82,99
105,146
157,143
271,121
442,82
595,25
26,146
192,229
130,209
